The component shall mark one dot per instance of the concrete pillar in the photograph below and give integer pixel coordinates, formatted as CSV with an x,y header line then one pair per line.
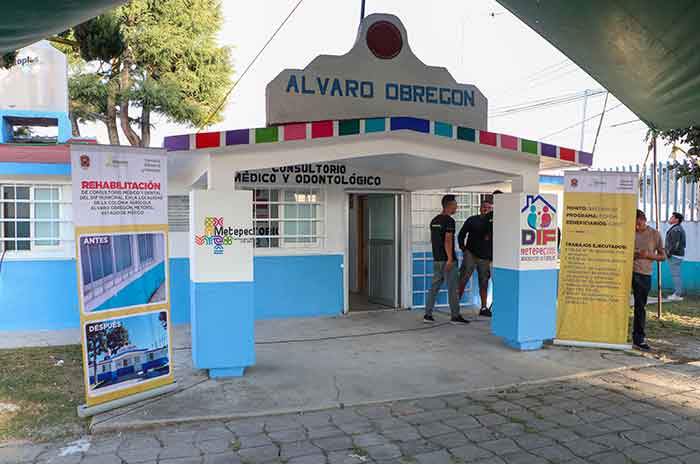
x,y
525,269
527,182
221,281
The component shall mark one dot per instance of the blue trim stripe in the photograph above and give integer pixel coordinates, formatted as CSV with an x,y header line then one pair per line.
x,y
444,129
414,124
375,125
35,169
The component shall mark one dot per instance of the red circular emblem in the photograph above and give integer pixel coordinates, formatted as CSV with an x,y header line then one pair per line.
x,y
84,161
384,40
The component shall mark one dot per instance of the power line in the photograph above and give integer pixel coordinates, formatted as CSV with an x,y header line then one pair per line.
x,y
625,123
579,123
245,71
544,103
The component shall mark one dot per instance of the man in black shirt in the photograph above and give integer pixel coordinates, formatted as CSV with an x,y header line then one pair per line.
x,y
442,237
478,252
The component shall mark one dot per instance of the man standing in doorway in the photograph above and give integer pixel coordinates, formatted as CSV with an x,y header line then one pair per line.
x,y
675,250
647,248
442,237
478,252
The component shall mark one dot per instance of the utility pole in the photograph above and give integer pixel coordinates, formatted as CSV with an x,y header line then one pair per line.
x,y
583,125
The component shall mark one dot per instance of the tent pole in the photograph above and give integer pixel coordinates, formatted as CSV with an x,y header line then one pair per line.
x,y
657,200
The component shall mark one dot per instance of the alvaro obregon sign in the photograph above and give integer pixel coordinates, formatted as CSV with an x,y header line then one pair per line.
x,y
380,76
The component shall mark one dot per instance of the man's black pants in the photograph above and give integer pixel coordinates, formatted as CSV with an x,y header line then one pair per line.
x,y
641,284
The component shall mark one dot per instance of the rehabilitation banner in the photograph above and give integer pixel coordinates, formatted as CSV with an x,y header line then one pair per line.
x,y
597,250
121,237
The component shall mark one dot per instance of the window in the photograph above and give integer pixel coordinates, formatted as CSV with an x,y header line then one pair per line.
x,y
291,218
425,205
179,213
145,248
30,216
122,252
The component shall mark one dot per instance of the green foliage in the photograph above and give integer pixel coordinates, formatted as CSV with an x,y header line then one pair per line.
x,y
8,60
689,167
159,56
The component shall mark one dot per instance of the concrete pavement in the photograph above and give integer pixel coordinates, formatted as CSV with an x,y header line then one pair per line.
x,y
641,415
365,358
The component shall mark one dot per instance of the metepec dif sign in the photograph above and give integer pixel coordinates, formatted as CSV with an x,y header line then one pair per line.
x,y
379,77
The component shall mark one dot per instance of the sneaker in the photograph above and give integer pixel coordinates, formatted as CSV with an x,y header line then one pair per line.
x,y
459,320
428,319
642,346
485,312
675,297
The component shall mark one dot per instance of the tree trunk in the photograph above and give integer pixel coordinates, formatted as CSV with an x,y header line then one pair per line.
x,y
111,121
145,126
75,128
124,86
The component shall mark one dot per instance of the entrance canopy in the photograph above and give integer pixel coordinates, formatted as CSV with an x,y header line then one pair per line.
x,y
23,23
643,52
408,153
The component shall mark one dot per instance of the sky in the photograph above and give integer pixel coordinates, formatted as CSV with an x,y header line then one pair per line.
x,y
478,41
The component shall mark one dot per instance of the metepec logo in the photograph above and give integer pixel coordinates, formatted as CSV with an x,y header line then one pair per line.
x,y
217,235
541,222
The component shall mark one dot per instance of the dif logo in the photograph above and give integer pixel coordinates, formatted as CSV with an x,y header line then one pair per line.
x,y
540,217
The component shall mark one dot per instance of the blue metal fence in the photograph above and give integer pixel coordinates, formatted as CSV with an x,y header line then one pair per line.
x,y
677,195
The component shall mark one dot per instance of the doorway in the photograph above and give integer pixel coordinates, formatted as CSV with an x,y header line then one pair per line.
x,y
374,251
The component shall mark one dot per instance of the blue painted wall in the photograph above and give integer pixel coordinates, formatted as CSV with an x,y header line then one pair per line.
x,y
38,295
298,286
137,292
35,169
223,325
525,306
42,294
62,121
690,273
180,290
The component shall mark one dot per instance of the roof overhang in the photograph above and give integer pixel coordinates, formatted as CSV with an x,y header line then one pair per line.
x,y
23,23
645,53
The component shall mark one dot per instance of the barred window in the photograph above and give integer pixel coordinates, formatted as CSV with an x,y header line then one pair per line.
x,y
426,204
288,218
30,216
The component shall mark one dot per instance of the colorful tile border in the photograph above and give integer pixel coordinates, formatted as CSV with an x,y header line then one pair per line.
x,y
327,129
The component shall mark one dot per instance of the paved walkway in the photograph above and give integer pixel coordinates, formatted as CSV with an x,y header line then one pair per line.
x,y
646,415
318,363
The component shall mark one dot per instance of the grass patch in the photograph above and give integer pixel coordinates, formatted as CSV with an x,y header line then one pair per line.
x,y
236,445
680,318
38,399
358,451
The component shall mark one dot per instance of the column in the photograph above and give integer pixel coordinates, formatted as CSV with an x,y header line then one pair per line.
x,y
221,281
525,269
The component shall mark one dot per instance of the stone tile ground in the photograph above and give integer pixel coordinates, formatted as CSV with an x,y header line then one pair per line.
x,y
649,415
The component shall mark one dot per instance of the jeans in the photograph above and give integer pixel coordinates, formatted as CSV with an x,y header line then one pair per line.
x,y
440,276
674,264
641,284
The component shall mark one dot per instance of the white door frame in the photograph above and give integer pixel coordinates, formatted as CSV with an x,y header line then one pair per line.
x,y
402,203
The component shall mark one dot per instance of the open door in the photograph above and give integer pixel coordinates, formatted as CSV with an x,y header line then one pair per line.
x,y
383,245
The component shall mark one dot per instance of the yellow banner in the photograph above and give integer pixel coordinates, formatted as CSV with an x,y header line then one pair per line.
x,y
595,274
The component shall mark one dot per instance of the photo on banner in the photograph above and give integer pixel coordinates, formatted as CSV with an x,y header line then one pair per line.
x,y
122,270
597,251
126,351
121,235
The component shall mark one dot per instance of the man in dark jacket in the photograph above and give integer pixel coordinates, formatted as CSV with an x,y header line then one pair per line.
x,y
478,252
675,250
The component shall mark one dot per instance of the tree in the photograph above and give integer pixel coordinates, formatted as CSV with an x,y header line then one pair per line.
x,y
149,57
117,337
96,342
163,319
689,167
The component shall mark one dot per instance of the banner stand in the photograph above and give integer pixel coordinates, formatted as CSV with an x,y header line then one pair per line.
x,y
88,411
605,346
